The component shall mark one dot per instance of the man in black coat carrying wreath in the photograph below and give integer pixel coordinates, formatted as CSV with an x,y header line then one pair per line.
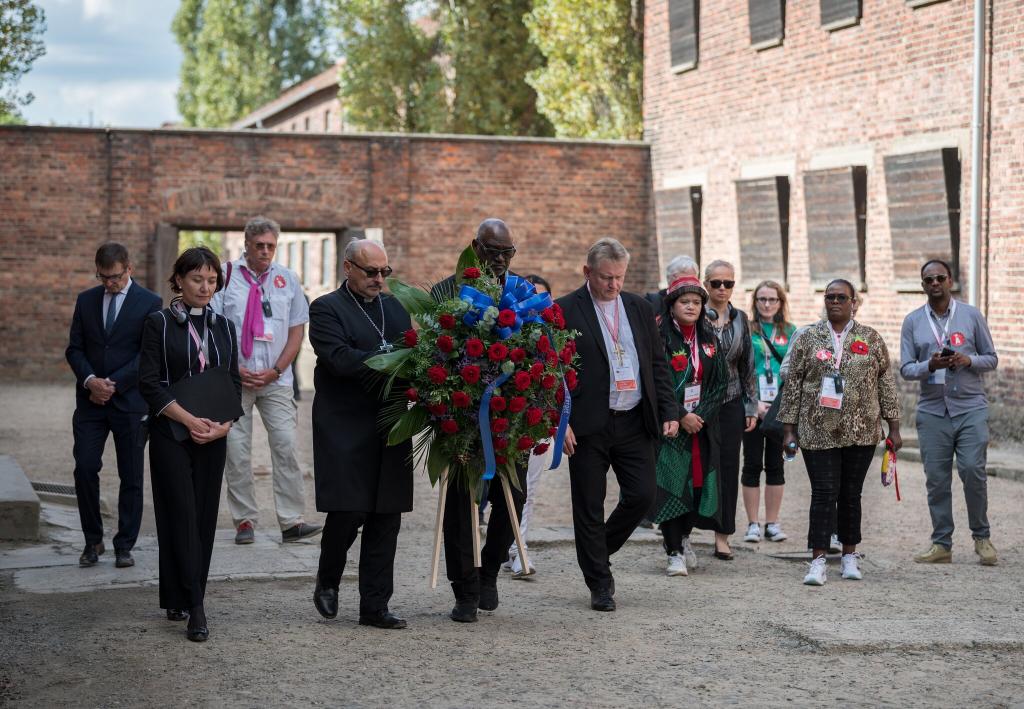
x,y
360,480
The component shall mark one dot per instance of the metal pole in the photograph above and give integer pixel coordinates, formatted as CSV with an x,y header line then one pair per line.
x,y
977,123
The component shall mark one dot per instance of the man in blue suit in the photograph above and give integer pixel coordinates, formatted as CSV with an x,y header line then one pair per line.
x,y
106,335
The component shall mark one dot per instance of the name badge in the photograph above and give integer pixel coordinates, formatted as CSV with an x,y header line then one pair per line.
x,y
769,390
831,396
937,377
625,380
691,397
268,336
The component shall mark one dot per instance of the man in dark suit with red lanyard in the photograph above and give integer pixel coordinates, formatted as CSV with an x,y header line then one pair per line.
x,y
103,351
624,403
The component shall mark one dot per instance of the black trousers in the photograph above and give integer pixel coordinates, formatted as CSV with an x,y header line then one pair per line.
x,y
837,479
458,537
731,422
625,445
376,554
761,453
186,480
674,530
90,427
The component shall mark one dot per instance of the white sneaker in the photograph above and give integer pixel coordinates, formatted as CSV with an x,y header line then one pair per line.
x,y
676,565
753,533
816,574
689,554
834,547
517,568
850,564
773,532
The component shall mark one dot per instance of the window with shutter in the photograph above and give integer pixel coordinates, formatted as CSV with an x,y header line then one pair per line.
x,y
923,191
762,207
683,22
767,22
678,213
835,201
836,14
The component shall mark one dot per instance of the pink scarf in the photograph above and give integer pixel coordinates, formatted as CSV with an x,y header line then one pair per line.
x,y
252,325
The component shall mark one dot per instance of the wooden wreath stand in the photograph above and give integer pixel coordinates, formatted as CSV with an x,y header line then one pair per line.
x,y
474,511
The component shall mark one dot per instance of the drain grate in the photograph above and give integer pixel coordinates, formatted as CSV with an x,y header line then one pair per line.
x,y
54,488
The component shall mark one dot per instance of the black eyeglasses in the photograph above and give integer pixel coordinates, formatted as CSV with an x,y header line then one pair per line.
x,y
374,272
767,301
940,278
112,278
721,284
836,297
492,252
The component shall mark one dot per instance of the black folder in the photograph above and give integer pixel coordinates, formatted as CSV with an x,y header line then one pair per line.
x,y
211,395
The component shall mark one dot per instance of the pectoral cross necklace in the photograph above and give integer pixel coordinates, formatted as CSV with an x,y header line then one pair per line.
x,y
385,346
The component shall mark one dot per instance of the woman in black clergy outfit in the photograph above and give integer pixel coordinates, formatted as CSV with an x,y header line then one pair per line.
x,y
186,475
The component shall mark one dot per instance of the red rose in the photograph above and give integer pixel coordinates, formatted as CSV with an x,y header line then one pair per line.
x,y
500,444
680,362
548,381
437,409
499,425
551,358
522,381
498,403
447,321
517,355
437,374
559,316
474,347
553,415
552,430
543,344
548,314
541,448
506,318
570,379
460,400
410,337
449,426
470,374
533,416
445,343
536,370
516,404
525,443
497,352
859,347
560,396
571,346
411,394
471,273
500,459
566,355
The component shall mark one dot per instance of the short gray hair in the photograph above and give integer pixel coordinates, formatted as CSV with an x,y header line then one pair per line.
x,y
356,245
716,264
681,264
606,249
261,225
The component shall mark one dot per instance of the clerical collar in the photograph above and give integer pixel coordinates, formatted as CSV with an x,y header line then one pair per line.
x,y
360,298
196,311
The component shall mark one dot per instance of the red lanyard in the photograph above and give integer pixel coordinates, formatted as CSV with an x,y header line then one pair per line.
x,y
613,333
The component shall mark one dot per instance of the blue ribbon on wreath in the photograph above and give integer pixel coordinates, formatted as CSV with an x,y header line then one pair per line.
x,y
518,295
484,418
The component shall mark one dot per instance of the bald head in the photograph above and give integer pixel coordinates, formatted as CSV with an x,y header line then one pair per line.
x,y
493,245
362,256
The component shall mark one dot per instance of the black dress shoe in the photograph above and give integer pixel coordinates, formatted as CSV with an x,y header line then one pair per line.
x,y
382,619
601,600
123,558
177,614
300,531
326,601
464,612
488,595
196,631
91,555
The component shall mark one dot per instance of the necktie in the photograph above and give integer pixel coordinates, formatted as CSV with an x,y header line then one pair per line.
x,y
111,312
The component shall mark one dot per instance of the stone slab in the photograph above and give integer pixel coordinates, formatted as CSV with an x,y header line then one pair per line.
x,y
19,504
927,633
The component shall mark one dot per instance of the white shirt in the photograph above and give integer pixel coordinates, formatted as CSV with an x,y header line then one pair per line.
x,y
118,302
288,308
618,400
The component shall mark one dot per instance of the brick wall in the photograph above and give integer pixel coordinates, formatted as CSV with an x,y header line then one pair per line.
x,y
897,82
64,191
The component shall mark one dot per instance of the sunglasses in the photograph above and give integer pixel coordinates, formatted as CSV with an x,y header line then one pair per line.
x,y
836,297
941,278
491,252
721,284
374,272
767,301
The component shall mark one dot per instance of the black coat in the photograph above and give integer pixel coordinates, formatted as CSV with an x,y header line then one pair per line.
x,y
354,469
590,400
114,356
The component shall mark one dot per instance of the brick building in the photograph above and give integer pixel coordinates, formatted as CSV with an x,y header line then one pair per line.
x,y
312,106
820,138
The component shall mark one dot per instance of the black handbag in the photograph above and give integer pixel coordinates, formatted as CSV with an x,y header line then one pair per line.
x,y
770,424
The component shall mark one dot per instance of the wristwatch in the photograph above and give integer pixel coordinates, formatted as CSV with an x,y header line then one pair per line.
x,y
276,369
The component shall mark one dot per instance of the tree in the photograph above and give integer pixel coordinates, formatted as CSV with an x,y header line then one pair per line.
x,y
390,80
592,83
22,24
239,54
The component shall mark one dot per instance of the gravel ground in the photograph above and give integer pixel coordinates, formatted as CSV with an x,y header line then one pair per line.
x,y
742,633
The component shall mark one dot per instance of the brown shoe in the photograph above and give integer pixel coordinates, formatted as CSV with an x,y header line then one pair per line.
x,y
936,554
987,552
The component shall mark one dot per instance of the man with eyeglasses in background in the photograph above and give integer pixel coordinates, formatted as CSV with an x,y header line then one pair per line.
x,y
266,302
946,345
103,351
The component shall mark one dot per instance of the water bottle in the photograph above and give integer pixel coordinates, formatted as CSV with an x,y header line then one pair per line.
x,y
789,453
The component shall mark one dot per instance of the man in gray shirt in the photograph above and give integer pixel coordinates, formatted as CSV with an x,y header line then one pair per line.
x,y
946,345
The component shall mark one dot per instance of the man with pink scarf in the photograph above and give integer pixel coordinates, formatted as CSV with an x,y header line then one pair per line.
x,y
266,302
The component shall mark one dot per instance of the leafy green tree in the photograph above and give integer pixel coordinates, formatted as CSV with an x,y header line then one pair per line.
x,y
390,80
213,240
239,54
22,24
592,83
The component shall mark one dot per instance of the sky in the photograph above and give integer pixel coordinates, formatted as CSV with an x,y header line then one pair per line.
x,y
107,63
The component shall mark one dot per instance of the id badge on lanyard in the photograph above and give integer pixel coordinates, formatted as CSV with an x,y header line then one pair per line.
x,y
939,375
691,398
769,389
625,379
833,385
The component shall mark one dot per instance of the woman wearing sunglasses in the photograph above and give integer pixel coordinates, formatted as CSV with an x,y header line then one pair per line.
x,y
839,387
771,336
738,413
